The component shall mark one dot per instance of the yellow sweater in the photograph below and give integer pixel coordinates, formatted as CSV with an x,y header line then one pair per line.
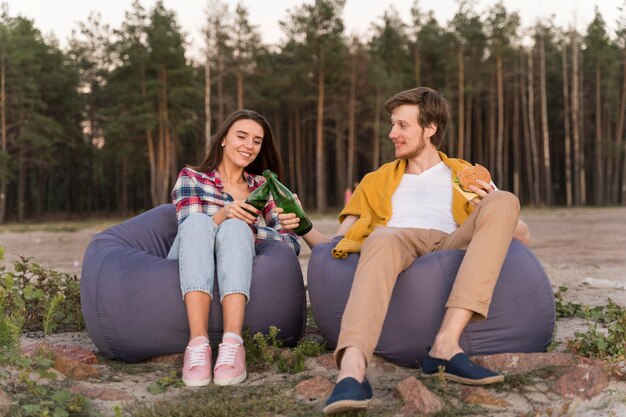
x,y
371,202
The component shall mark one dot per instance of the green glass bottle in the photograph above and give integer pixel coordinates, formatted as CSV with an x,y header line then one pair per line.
x,y
258,198
286,200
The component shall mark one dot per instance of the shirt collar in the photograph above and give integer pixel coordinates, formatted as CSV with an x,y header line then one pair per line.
x,y
253,181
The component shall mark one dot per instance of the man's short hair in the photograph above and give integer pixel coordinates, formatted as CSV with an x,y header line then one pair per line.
x,y
433,108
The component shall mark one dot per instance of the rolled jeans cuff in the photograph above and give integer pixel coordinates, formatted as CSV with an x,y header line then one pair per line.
x,y
204,290
246,294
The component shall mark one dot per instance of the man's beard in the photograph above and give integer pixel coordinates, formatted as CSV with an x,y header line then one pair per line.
x,y
414,153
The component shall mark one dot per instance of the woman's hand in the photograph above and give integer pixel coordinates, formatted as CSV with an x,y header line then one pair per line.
x,y
482,191
237,210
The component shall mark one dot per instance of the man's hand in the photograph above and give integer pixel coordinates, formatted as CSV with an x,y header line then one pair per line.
x,y
482,191
288,221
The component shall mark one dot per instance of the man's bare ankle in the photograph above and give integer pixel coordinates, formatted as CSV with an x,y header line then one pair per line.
x,y
444,348
353,364
444,351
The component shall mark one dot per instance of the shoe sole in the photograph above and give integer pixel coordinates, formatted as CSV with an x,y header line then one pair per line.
x,y
468,381
197,383
232,381
344,406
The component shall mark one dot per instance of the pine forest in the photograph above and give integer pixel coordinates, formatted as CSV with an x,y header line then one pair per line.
x,y
104,124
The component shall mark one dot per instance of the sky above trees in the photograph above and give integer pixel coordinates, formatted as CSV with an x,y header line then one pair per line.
x,y
61,17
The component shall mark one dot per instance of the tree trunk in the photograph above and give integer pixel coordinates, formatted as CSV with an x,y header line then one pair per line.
x,y
547,175
536,198
166,145
579,194
461,125
351,124
207,105
581,120
298,152
220,88
279,138
500,138
448,146
160,144
375,136
491,144
609,157
292,125
568,137
309,151
598,185
152,149
319,148
468,128
479,133
517,152
506,180
239,88
340,182
619,133
4,171
528,155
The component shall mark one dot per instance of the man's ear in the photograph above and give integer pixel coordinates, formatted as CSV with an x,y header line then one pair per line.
x,y
430,130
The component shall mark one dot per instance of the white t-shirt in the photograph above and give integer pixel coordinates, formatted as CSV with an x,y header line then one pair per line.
x,y
424,201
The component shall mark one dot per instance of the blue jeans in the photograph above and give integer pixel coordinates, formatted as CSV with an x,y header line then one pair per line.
x,y
204,250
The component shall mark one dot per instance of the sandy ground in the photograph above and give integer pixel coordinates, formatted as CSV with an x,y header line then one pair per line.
x,y
581,248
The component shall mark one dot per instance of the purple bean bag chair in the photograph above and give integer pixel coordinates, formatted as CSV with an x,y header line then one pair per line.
x,y
521,316
131,298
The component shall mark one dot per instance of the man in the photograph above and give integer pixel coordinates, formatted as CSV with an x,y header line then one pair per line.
x,y
405,209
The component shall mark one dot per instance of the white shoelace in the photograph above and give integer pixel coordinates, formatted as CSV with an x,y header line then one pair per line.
x,y
197,355
226,355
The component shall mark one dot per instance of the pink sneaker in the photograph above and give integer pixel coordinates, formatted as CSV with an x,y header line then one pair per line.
x,y
230,368
197,363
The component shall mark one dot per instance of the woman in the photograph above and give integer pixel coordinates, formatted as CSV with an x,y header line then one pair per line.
x,y
216,237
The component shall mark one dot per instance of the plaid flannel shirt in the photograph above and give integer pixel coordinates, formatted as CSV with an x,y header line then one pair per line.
x,y
197,192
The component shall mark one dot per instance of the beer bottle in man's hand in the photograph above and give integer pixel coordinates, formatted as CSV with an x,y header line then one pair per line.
x,y
287,201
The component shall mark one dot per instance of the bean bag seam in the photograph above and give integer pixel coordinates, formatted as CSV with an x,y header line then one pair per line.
x,y
546,280
99,311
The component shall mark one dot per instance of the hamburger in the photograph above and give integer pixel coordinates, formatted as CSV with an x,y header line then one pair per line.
x,y
468,176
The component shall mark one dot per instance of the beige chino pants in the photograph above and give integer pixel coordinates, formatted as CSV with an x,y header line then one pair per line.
x,y
485,235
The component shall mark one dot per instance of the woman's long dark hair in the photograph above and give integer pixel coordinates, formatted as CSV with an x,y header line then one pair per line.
x,y
268,157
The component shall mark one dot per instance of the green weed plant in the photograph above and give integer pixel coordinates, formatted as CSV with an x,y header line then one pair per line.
x,y
606,344
599,314
163,384
605,337
48,300
265,352
35,299
609,345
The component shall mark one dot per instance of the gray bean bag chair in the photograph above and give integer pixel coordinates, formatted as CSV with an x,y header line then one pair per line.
x,y
131,297
521,317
